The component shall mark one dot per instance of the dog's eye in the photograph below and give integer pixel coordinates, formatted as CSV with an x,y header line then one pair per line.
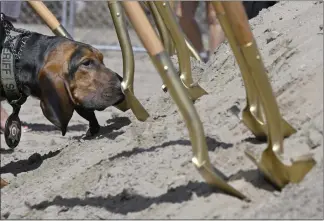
x,y
87,62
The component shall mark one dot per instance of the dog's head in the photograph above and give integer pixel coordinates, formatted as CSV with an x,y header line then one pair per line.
x,y
92,85
74,75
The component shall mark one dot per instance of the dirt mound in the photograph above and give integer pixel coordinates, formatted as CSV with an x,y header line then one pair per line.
x,y
141,170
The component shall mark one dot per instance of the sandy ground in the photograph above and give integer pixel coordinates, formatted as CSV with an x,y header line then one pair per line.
x,y
142,170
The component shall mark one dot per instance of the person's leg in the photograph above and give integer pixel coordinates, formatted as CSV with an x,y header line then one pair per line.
x,y
216,34
186,11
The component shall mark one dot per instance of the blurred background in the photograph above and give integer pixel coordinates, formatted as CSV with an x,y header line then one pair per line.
x,y
87,21
90,21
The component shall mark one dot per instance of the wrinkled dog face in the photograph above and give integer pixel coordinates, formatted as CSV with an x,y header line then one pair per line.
x,y
92,84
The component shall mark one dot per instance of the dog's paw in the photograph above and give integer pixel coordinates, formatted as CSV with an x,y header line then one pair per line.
x,y
92,131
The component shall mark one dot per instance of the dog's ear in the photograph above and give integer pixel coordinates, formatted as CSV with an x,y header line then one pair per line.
x,y
56,103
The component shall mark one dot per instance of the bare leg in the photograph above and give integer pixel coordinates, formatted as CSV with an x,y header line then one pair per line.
x,y
4,117
186,13
216,34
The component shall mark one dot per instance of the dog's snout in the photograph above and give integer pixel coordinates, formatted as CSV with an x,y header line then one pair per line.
x,y
117,83
106,91
119,77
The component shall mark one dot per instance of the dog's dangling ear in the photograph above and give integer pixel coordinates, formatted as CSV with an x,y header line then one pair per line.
x,y
55,98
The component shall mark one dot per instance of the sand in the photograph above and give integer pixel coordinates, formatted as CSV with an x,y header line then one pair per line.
x,y
142,170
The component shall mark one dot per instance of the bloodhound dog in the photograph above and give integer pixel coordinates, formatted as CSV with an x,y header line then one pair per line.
x,y
65,75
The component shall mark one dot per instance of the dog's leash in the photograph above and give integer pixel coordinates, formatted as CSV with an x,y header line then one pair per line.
x,y
9,81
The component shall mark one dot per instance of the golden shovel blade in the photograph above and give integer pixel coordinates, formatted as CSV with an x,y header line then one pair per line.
x,y
213,178
259,127
278,173
131,102
195,91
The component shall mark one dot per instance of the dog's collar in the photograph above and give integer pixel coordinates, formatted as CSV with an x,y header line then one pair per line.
x,y
11,52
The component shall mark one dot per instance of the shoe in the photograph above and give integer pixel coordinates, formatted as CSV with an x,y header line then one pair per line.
x,y
204,56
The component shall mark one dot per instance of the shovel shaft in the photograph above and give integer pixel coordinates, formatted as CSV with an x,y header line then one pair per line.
x,y
145,31
239,21
45,14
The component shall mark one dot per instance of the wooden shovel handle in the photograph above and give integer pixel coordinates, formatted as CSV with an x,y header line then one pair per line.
x,y
45,14
219,9
143,27
236,15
